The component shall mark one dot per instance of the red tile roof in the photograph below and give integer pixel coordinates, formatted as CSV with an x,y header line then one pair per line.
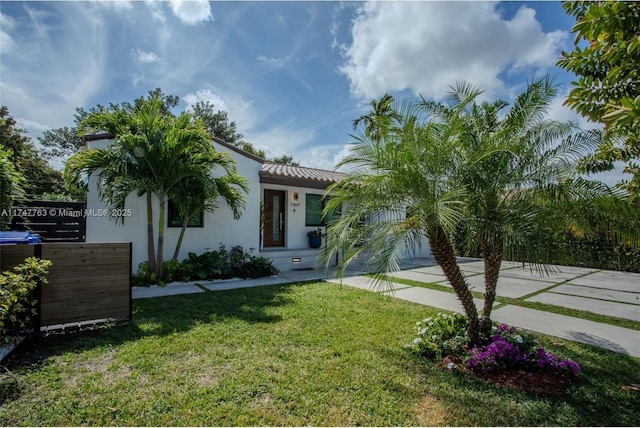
x,y
300,176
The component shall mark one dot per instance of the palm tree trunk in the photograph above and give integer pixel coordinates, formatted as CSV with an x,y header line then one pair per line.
x,y
179,243
151,248
492,255
159,270
442,250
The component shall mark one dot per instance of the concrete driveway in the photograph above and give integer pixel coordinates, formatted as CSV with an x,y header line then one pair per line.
x,y
610,293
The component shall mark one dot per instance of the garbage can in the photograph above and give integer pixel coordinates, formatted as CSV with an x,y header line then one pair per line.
x,y
19,238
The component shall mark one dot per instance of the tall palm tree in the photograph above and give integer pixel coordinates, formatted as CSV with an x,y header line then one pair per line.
x,y
402,185
381,116
508,176
152,153
519,169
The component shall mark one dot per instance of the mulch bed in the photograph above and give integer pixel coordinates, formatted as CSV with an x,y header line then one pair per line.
x,y
543,383
538,382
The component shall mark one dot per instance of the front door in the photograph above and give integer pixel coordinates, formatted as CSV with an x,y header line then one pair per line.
x,y
273,229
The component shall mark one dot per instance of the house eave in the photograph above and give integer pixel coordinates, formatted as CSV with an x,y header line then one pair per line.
x,y
294,181
238,150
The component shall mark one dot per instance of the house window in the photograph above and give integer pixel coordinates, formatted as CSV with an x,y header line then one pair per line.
x,y
173,218
313,213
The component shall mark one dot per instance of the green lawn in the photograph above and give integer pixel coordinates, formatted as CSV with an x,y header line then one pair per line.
x,y
311,354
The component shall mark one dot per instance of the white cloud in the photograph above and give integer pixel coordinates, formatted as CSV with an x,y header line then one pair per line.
x,y
164,33
191,12
6,42
116,5
145,57
323,157
427,46
240,110
282,140
559,111
72,63
276,139
273,62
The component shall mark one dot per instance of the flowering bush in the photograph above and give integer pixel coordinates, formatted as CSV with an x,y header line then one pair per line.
x,y
440,336
513,348
522,339
508,347
547,360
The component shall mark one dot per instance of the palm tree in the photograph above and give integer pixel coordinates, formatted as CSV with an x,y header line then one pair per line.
x,y
122,172
503,175
381,116
403,184
152,153
193,195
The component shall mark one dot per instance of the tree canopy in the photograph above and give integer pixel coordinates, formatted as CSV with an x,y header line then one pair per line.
x,y
503,174
605,59
66,141
40,178
155,152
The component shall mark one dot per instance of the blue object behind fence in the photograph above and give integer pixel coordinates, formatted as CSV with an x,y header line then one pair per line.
x,y
19,238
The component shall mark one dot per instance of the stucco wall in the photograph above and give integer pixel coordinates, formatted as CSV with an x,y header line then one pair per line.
x,y
296,229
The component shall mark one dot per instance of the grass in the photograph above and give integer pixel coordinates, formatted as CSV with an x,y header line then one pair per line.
x,y
312,354
502,301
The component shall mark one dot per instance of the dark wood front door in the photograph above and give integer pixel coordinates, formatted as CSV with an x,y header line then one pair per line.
x,y
273,229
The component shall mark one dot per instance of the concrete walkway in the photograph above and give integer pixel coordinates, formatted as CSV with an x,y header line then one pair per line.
x,y
610,293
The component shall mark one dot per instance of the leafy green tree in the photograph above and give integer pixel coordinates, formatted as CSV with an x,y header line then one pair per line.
x,y
608,85
67,141
152,153
11,182
61,142
40,177
285,160
507,176
217,122
218,125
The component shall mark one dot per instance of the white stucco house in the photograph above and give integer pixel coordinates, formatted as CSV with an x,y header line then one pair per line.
x,y
288,198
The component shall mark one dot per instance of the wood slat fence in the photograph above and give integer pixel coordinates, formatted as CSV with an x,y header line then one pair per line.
x,y
86,281
54,221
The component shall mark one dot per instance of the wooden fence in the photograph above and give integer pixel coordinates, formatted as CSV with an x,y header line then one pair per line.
x,y
54,221
86,281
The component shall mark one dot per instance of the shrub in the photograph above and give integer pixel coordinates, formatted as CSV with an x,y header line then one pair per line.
x,y
209,265
219,264
507,348
513,348
144,277
17,304
440,336
257,267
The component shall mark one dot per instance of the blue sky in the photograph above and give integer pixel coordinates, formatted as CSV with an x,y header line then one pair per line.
x,y
293,75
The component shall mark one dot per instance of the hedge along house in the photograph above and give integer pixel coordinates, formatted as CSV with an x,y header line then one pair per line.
x,y
284,203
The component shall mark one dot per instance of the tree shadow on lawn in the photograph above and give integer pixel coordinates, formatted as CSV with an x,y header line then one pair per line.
x,y
161,316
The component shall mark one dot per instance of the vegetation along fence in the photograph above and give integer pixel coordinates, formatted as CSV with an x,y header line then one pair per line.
x,y
54,221
86,281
